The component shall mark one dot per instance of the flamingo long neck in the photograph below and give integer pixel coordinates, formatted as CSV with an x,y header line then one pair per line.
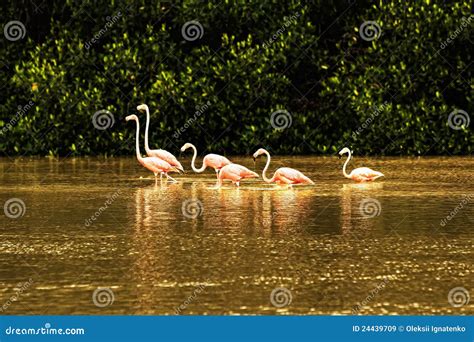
x,y
137,147
345,164
264,176
147,148
193,165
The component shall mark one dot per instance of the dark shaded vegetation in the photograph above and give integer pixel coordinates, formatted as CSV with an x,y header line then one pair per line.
x,y
390,95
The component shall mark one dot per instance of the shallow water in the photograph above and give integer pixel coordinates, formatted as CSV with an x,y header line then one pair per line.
x,y
339,247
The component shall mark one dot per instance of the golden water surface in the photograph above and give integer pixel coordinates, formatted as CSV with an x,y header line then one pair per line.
x,y
394,246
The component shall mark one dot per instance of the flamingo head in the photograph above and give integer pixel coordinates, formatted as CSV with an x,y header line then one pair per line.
x,y
259,152
185,147
142,107
131,117
344,150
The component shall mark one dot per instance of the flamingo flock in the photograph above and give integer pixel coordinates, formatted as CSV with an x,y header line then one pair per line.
x,y
162,162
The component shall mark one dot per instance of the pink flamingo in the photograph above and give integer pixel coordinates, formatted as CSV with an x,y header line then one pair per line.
x,y
283,175
234,173
162,154
361,174
212,160
154,164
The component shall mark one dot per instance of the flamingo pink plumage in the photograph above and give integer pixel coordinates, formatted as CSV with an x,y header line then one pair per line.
x,y
154,164
211,160
162,154
361,174
234,173
283,175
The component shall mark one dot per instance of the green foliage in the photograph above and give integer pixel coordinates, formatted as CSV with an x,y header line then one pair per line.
x,y
391,95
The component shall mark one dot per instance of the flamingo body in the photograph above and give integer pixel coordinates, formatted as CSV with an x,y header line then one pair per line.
x,y
211,160
361,174
235,173
166,156
283,175
154,164
364,174
215,161
159,153
287,175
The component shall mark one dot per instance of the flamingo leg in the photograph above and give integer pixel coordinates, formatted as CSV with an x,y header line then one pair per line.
x,y
172,179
